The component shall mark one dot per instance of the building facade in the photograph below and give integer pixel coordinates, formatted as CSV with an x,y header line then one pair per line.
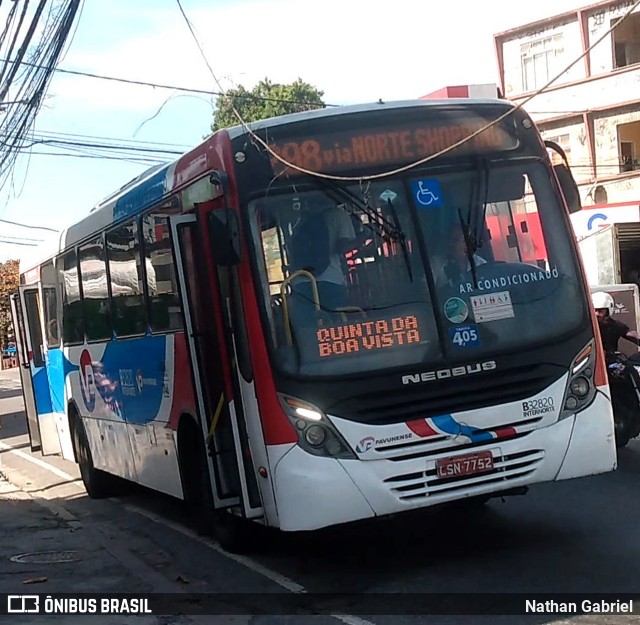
x,y
593,110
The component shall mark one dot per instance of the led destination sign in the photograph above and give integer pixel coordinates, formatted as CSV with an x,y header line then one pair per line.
x,y
368,336
388,145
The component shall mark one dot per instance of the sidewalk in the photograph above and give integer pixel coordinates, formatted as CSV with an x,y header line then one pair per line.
x,y
53,539
44,548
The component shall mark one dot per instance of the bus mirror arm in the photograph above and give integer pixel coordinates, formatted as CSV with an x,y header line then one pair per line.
x,y
220,180
224,231
565,178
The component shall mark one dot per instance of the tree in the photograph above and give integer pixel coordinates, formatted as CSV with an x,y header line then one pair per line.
x,y
9,280
265,100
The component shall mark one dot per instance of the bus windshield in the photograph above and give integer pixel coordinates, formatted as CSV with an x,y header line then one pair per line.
x,y
432,269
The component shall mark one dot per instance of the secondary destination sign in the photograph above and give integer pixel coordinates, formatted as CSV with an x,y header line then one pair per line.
x,y
368,336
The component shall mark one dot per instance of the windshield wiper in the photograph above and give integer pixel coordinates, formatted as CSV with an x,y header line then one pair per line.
x,y
340,194
474,225
469,248
402,238
386,229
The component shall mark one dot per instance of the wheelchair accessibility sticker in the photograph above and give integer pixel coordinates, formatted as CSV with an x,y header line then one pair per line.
x,y
427,193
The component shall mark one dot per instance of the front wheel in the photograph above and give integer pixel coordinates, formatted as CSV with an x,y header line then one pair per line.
x,y
234,533
230,531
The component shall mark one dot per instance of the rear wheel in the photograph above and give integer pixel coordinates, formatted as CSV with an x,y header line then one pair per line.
x,y
98,484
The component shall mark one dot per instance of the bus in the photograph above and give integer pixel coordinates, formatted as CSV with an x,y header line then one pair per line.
x,y
322,318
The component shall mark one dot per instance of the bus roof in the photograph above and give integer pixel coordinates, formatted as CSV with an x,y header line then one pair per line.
x,y
158,182
273,122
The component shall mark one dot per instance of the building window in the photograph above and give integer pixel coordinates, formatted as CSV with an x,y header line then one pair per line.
x,y
628,142
626,41
540,61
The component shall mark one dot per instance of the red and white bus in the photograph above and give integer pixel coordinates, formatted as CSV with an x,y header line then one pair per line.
x,y
306,350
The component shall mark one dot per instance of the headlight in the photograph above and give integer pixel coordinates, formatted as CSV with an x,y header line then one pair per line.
x,y
580,388
316,434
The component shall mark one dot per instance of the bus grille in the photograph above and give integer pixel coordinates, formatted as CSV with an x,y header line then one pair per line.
x,y
456,395
424,484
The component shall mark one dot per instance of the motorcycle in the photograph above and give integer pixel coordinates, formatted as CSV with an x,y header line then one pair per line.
x,y
625,396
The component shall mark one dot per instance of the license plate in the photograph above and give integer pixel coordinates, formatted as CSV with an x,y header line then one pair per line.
x,y
466,464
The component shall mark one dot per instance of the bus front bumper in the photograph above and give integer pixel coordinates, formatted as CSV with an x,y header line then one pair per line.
x,y
313,492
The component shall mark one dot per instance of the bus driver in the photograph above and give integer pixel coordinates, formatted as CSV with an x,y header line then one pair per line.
x,y
319,242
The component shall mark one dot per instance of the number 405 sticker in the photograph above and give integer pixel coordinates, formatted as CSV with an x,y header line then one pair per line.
x,y
464,336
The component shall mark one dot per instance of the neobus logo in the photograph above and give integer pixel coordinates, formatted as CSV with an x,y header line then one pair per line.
x,y
444,374
87,381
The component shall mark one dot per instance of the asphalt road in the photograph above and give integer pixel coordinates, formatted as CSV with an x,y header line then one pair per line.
x,y
579,536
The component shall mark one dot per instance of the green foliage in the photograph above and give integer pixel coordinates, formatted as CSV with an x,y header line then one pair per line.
x,y
265,100
9,280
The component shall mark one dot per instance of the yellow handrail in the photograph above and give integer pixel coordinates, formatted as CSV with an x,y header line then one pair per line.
x,y
285,305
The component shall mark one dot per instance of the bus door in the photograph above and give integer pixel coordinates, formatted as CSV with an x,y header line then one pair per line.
x,y
54,360
40,417
25,372
217,415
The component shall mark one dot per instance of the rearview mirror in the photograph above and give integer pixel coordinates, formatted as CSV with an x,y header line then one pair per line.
x,y
568,187
566,180
224,230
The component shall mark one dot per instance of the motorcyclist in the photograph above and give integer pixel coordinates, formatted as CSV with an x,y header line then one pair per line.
x,y
611,330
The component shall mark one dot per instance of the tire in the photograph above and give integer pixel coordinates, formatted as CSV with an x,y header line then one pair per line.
x,y
98,484
233,533
621,418
227,529
194,475
621,433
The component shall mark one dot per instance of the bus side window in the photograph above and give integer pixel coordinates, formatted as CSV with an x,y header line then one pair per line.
x,y
125,271
72,317
95,295
51,295
164,304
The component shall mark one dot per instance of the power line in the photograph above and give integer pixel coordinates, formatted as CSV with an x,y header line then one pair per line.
x,y
144,83
55,134
141,160
6,236
16,243
63,142
15,223
28,84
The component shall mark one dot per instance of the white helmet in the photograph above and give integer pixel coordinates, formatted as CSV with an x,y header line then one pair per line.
x,y
603,300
